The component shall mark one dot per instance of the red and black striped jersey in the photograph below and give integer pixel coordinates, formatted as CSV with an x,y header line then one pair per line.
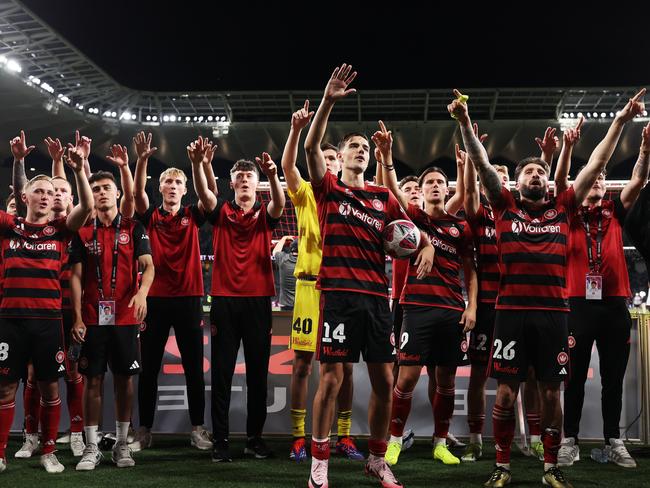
x,y
613,268
352,220
533,248
452,239
487,253
175,251
33,256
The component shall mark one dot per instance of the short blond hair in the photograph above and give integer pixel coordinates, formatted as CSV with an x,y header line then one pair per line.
x,y
173,172
36,178
501,168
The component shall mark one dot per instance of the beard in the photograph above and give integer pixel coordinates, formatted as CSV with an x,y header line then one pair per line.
x,y
533,193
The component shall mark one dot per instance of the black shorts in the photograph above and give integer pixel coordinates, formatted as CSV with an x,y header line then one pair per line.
x,y
114,345
353,323
37,340
432,336
480,338
537,338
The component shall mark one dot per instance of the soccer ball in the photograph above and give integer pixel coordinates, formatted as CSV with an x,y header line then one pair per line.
x,y
401,238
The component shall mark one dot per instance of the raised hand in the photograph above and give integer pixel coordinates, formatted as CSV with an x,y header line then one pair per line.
x,y
119,156
267,166
634,107
55,148
196,150
75,158
337,86
142,144
571,136
645,138
19,147
461,157
550,142
383,139
301,118
458,107
83,143
210,149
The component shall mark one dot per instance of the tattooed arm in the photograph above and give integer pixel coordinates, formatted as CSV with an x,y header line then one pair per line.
x,y
640,172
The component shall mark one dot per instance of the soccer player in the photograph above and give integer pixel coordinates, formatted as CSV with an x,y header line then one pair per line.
x,y
242,287
108,253
596,259
481,220
355,314
33,251
174,299
306,313
532,302
435,317
62,204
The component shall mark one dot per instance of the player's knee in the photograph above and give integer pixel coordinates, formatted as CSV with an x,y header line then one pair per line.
x,y
94,384
506,395
7,392
301,369
550,393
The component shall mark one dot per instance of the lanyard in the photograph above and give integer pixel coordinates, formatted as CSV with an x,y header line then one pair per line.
x,y
100,283
594,265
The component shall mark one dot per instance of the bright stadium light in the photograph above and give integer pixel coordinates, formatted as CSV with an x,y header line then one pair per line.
x,y
47,87
172,118
14,66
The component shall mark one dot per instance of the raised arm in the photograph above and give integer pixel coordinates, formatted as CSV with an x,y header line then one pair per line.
x,y
19,150
196,152
279,246
207,167
337,88
143,151
268,167
477,153
119,157
56,151
299,120
80,213
569,139
548,145
455,203
630,193
604,150
383,140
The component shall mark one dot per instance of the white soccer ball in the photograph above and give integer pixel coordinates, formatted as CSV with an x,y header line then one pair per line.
x,y
401,238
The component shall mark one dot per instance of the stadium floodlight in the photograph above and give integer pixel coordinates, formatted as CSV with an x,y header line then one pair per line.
x,y
63,98
3,59
134,116
165,118
187,118
125,115
47,87
172,118
34,79
14,66
113,114
210,118
148,117
603,115
223,118
571,115
154,118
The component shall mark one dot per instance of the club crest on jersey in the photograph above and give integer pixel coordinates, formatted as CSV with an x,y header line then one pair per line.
x,y
49,230
572,342
345,209
377,205
490,232
143,326
185,221
124,238
607,213
464,346
454,231
392,339
562,358
60,357
551,213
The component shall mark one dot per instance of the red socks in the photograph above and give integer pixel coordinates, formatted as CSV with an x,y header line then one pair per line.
x,y
534,425
503,422
6,419
476,422
50,416
320,450
32,405
74,397
377,447
400,411
551,441
443,410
